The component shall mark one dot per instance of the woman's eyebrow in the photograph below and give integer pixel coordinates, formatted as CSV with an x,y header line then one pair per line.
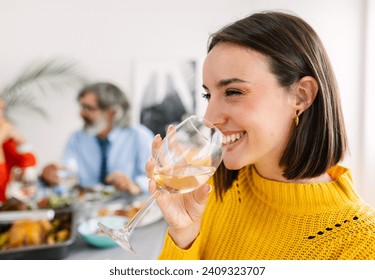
x,y
226,82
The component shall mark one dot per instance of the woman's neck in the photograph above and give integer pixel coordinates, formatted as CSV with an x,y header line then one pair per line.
x,y
275,173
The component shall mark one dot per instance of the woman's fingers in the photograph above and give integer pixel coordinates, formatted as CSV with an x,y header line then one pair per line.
x,y
170,128
198,202
156,144
149,168
152,186
201,194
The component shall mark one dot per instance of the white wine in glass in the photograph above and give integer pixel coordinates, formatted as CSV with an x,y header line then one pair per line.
x,y
183,179
188,156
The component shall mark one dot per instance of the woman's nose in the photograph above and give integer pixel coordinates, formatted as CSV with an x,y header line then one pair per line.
x,y
214,113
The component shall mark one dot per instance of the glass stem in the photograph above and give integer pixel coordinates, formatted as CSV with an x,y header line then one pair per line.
x,y
141,212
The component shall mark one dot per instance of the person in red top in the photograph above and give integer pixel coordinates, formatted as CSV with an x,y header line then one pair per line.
x,y
13,152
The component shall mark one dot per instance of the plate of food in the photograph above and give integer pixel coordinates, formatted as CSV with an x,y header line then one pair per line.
x,y
128,211
95,193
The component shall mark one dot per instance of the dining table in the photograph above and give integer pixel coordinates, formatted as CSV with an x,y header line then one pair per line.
x,y
146,240
147,237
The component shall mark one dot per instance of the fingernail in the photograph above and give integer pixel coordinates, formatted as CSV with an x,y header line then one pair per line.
x,y
156,136
149,159
210,190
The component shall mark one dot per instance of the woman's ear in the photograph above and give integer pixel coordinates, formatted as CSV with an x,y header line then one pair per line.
x,y
304,93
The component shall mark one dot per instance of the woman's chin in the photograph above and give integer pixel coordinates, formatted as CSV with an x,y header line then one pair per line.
x,y
233,164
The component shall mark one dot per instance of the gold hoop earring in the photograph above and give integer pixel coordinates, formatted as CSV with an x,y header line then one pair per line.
x,y
296,119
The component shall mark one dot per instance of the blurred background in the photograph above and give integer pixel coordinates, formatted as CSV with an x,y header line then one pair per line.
x,y
106,40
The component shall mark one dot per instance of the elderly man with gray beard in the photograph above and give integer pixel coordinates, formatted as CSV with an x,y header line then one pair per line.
x,y
107,149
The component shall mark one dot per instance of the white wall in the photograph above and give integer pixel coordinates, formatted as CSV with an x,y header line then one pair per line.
x,y
368,161
107,37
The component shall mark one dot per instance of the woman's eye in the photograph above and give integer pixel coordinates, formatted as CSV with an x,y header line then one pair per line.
x,y
206,96
230,92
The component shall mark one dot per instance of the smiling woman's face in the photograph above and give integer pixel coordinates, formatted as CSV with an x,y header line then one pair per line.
x,y
248,105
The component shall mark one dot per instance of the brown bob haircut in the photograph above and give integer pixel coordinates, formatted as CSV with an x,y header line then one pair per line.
x,y
293,50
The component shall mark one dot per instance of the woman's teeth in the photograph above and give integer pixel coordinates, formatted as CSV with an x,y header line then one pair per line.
x,y
229,139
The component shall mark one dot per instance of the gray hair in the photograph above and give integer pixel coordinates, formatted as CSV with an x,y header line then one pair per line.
x,y
110,96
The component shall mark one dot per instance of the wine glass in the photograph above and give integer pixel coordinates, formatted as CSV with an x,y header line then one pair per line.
x,y
188,156
23,185
68,177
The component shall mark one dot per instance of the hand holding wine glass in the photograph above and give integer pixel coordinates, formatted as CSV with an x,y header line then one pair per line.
x,y
185,160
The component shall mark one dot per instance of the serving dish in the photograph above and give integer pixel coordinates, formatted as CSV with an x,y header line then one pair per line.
x,y
44,251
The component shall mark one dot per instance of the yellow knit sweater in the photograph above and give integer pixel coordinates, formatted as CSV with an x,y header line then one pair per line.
x,y
264,219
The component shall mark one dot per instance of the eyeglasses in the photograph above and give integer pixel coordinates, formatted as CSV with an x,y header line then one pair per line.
x,y
88,108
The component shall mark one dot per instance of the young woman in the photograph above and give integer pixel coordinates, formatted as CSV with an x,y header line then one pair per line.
x,y
279,193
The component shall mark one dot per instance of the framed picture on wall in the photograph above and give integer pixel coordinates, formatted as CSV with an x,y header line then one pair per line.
x,y
165,92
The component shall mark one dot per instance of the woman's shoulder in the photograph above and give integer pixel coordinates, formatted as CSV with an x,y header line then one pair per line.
x,y
359,220
367,214
359,236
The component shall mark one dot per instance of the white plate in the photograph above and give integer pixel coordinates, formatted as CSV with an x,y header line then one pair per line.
x,y
152,216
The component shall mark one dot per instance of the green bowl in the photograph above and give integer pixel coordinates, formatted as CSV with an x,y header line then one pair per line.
x,y
90,231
